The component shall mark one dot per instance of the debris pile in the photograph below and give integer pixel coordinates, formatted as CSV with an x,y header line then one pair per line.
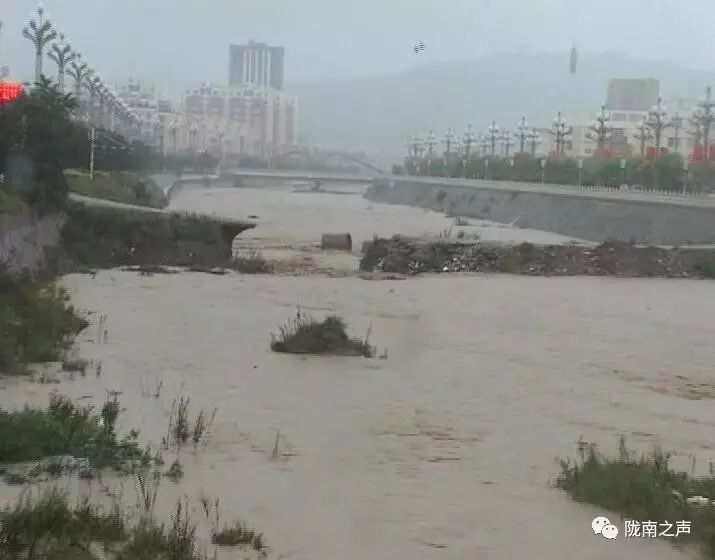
x,y
414,256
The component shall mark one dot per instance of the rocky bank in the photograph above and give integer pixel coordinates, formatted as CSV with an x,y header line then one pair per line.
x,y
414,256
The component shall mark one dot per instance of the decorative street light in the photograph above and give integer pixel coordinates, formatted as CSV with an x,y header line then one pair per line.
x,y
534,139
93,83
705,116
61,54
484,145
467,140
493,136
430,142
522,134
644,134
39,30
677,124
601,129
656,120
506,141
79,72
449,141
561,131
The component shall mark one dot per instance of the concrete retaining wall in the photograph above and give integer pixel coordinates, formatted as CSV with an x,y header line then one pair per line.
x,y
24,240
586,216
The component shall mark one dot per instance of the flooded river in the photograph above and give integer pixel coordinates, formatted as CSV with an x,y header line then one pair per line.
x,y
443,451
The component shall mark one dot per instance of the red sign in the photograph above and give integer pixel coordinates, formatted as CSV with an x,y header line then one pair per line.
x,y
9,91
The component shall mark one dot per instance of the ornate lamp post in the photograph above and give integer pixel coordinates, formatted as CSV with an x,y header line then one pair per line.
x,y
61,54
656,120
534,139
79,72
449,140
522,134
705,117
677,124
506,141
600,129
492,137
467,140
40,31
644,134
561,131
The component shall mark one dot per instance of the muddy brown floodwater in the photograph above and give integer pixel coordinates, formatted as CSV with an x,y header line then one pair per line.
x,y
443,451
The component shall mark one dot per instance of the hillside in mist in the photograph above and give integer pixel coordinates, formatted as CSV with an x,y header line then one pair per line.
x,y
380,112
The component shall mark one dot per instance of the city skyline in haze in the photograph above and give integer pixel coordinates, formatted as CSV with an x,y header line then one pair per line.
x,y
176,44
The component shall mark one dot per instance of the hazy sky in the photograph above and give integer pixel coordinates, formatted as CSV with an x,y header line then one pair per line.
x,y
180,42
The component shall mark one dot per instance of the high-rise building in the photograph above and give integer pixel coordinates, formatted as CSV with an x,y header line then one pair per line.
x,y
256,64
632,94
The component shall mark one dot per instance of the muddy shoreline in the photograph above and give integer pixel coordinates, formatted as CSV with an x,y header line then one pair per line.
x,y
411,256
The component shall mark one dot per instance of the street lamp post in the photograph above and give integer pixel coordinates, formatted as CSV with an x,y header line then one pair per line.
x,y
561,131
40,31
677,123
430,142
467,141
534,139
543,170
579,165
79,72
449,140
493,136
705,116
522,134
507,142
600,129
644,134
656,120
61,54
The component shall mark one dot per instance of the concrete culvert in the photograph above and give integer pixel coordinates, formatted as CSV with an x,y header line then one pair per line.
x,y
340,241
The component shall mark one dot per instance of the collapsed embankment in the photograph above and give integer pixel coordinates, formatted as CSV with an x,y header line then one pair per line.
x,y
413,256
83,236
643,218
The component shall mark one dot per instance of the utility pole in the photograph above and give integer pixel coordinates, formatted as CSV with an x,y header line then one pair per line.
x,y
92,138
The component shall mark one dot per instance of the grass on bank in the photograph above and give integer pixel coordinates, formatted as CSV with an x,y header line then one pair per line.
x,y
69,437
305,335
643,488
118,186
37,322
705,267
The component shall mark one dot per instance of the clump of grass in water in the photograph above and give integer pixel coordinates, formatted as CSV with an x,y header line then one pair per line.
x,y
48,527
175,472
241,535
180,429
304,335
67,429
642,488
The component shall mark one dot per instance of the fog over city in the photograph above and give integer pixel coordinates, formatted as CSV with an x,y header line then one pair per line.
x,y
361,55
177,41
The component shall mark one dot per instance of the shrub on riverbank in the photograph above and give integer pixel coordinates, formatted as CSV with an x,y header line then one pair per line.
x,y
71,436
239,534
37,322
304,335
643,488
705,267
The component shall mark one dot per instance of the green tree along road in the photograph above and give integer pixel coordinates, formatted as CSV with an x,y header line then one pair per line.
x,y
40,139
667,172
